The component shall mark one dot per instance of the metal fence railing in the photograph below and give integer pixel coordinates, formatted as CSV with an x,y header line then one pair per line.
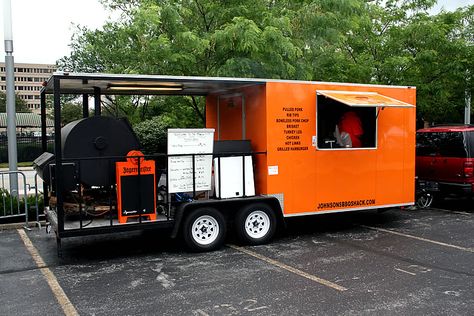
x,y
21,201
75,209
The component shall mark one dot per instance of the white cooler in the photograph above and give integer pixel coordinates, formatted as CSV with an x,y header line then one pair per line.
x,y
231,177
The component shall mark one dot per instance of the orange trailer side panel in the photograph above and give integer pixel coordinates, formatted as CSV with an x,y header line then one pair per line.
x,y
314,180
291,123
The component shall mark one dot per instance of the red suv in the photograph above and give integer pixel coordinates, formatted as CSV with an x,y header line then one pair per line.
x,y
445,158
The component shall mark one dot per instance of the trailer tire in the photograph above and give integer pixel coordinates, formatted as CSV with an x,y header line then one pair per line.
x,y
424,200
204,229
255,224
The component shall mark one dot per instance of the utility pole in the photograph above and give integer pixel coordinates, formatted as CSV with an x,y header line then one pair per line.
x,y
467,109
10,94
467,99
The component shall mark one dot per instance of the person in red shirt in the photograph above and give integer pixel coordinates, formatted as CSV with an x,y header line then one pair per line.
x,y
350,130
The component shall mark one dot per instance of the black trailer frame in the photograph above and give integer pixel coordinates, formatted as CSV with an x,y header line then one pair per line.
x,y
96,85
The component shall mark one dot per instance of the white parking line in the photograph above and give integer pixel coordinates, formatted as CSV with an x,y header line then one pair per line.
x,y
289,268
64,302
420,238
404,271
449,211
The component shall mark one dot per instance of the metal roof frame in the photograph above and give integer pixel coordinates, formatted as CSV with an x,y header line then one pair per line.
x,y
84,83
130,84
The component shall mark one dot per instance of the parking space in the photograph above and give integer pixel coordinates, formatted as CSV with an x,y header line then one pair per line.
x,y
397,262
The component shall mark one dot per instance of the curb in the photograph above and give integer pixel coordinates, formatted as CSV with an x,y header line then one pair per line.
x,y
13,226
19,169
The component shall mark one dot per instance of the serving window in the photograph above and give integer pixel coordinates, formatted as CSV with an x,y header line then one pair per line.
x,y
348,120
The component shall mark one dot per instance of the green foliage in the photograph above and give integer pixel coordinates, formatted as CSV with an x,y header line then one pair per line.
x,y
12,205
438,66
70,112
26,151
398,43
375,41
237,38
152,133
187,111
20,105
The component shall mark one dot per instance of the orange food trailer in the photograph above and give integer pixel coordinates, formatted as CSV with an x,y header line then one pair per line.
x,y
294,122
271,149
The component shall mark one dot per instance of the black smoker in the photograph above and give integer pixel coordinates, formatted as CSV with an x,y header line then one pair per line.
x,y
93,137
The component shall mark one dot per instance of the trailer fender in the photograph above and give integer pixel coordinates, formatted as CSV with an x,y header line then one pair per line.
x,y
178,218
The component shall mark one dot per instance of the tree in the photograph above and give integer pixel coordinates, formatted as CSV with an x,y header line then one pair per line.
x,y
434,53
20,105
70,112
367,41
152,133
191,37
354,39
441,57
397,42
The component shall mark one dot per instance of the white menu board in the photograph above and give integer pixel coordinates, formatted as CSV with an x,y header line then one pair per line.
x,y
180,168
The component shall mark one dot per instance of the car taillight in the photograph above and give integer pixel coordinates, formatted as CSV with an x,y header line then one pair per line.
x,y
468,169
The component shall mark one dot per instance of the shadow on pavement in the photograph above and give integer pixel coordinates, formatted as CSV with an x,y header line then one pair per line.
x,y
454,203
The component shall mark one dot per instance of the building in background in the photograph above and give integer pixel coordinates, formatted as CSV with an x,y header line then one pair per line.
x,y
28,82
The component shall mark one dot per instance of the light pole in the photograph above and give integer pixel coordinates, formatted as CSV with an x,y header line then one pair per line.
x,y
467,99
10,94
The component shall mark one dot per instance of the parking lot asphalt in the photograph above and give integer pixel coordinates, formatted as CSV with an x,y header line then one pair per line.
x,y
418,262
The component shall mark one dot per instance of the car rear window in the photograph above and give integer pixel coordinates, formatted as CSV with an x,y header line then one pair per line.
x,y
446,144
470,143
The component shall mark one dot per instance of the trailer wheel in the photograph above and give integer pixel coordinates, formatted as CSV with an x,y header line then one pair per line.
x,y
424,200
255,224
48,228
204,229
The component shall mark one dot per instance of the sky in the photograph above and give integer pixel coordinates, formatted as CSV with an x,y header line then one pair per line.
x,y
451,5
42,29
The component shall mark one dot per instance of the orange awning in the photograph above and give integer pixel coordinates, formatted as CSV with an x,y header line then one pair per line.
x,y
364,99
